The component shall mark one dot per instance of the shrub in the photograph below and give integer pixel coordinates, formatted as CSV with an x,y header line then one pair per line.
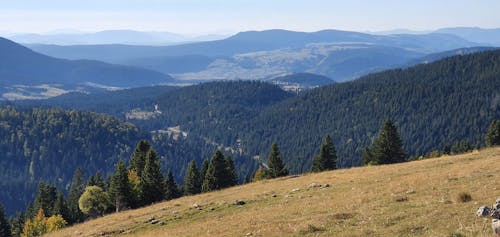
x,y
463,197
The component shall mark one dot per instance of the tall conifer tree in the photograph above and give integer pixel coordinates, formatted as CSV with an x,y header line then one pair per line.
x,y
203,170
216,173
275,165
171,188
119,188
4,224
327,158
75,191
192,179
152,182
231,176
138,159
388,147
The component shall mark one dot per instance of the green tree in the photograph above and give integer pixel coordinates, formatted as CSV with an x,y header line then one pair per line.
x,y
97,180
216,173
120,189
135,184
203,170
171,188
192,179
46,198
60,206
231,178
461,147
138,159
388,147
275,165
17,224
152,182
492,137
75,191
94,201
327,158
4,224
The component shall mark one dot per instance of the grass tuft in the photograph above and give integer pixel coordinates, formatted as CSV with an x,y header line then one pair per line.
x,y
463,197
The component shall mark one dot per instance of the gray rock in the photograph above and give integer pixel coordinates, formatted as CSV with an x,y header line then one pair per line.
x,y
495,214
495,224
496,206
239,202
155,222
483,211
314,185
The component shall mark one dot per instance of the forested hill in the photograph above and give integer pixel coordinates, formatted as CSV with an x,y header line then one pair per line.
x,y
433,105
49,144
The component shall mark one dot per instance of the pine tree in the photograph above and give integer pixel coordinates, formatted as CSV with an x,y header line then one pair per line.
x,y
192,179
231,176
493,135
327,158
46,198
152,183
171,189
387,148
275,165
138,159
60,206
367,157
75,191
119,189
4,224
97,180
203,170
215,175
17,224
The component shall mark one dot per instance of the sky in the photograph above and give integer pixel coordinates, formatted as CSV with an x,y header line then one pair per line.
x,y
197,17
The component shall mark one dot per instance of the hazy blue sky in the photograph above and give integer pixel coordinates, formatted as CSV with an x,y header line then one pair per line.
x,y
217,16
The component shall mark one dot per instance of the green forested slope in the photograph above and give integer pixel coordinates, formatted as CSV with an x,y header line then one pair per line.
x,y
433,105
49,144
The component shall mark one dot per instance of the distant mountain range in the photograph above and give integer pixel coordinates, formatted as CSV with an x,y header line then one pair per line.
x,y
252,55
340,55
486,37
130,37
25,74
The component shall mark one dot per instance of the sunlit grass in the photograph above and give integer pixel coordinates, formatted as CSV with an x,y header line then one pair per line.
x,y
410,199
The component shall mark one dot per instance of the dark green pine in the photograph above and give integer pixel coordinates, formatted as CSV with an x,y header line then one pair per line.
x,y
4,224
171,188
152,182
203,170
492,137
327,158
119,188
215,175
388,147
60,206
192,184
75,191
231,176
46,198
138,159
275,165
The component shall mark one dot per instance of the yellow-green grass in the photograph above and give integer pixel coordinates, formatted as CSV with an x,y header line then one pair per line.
x,y
419,198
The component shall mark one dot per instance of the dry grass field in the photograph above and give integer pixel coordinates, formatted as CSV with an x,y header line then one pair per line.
x,y
417,198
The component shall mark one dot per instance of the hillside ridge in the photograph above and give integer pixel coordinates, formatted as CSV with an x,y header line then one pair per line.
x,y
390,200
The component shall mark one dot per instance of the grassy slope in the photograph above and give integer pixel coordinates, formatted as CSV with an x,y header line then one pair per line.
x,y
410,199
